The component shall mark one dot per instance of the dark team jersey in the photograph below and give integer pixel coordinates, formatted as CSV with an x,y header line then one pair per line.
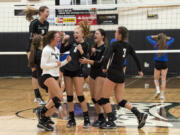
x,y
74,64
117,53
98,58
36,27
38,62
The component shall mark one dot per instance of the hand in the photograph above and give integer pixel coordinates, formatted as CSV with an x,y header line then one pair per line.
x,y
104,70
69,58
83,60
154,36
58,63
93,50
140,74
79,47
168,38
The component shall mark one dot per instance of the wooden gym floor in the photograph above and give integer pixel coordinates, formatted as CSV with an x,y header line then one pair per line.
x,y
16,104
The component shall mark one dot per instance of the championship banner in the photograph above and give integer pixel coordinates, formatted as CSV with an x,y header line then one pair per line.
x,y
107,19
92,19
66,20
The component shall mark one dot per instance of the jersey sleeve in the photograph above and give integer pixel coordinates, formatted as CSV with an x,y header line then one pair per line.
x,y
133,54
32,29
64,48
44,61
86,50
151,41
170,41
108,55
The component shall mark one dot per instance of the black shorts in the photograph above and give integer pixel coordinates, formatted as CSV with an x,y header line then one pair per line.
x,y
94,75
160,65
35,74
71,74
116,76
43,78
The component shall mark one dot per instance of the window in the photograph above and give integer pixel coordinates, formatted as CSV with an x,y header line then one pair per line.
x,y
84,2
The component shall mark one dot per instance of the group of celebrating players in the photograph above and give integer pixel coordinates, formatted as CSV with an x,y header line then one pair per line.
x,y
107,70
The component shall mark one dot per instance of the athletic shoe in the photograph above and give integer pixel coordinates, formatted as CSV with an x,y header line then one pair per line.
x,y
71,123
39,113
142,119
86,123
96,123
49,121
157,94
107,125
45,126
40,101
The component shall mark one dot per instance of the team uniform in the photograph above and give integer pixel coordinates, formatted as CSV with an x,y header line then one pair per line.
x,y
74,68
160,61
49,66
125,61
117,53
98,57
64,55
36,27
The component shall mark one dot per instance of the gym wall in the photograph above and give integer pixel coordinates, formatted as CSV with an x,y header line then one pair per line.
x,y
14,32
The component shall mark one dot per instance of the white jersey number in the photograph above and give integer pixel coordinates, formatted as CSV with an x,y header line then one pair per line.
x,y
124,52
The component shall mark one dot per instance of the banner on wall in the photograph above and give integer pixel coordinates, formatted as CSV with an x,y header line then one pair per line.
x,y
92,19
60,12
66,20
107,19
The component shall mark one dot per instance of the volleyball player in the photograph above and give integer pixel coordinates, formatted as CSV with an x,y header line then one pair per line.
x,y
160,42
73,72
118,52
125,61
38,26
50,65
97,77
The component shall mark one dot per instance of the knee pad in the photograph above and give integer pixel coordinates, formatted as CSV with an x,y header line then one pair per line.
x,y
34,74
69,98
81,99
103,101
57,102
122,103
94,101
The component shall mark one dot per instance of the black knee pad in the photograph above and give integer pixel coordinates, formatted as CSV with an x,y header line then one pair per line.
x,y
103,101
94,101
34,74
122,103
57,102
69,98
81,99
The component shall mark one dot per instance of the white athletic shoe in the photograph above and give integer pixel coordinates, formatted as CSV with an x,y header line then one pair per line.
x,y
39,101
157,94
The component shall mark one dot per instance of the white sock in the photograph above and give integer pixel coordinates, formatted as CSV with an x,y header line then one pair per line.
x,y
158,89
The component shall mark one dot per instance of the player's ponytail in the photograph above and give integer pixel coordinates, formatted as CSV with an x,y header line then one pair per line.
x,y
31,11
124,32
162,42
36,43
85,29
